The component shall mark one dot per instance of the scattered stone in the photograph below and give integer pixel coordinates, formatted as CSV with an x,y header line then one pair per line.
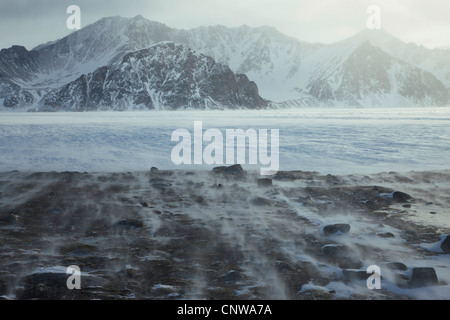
x,y
335,228
402,197
153,170
165,289
422,277
411,236
145,204
386,235
340,255
230,277
167,215
258,201
264,182
78,249
433,212
445,245
160,186
132,224
159,183
52,286
235,169
284,175
401,280
352,275
334,251
396,266
283,266
406,205
316,294
371,204
220,169
3,287
9,218
201,200
80,253
333,180
55,211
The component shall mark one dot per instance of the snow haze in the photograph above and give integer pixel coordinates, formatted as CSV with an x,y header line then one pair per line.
x,y
423,22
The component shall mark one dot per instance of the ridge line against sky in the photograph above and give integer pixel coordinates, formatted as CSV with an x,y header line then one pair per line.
x,y
31,23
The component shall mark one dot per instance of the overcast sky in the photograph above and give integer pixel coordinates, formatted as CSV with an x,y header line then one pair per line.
x,y
425,22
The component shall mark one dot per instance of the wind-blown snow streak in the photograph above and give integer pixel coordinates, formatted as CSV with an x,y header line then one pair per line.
x,y
194,234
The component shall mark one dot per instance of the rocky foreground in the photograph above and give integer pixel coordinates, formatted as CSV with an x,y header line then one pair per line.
x,y
224,234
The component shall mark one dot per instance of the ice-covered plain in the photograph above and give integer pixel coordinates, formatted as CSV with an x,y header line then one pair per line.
x,y
323,140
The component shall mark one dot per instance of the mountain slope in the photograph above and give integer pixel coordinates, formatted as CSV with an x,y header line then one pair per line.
x,y
163,76
370,77
435,61
268,57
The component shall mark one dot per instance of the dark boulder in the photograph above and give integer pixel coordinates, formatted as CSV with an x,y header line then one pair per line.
x,y
258,201
422,277
264,182
9,218
352,275
334,251
386,235
340,256
231,276
153,170
130,224
445,245
397,266
401,197
336,228
235,169
3,287
53,286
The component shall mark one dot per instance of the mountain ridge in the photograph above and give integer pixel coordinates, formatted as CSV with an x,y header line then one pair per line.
x,y
287,71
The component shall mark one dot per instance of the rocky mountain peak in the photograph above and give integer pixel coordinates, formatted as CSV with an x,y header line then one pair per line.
x,y
166,75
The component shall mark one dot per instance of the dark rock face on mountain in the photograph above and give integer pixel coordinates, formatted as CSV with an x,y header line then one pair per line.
x,y
16,62
13,95
163,76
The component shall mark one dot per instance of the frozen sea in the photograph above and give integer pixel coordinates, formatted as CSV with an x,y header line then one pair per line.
x,y
337,141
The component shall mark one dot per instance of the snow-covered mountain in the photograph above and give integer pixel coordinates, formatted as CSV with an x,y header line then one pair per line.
x,y
267,56
435,61
164,76
371,77
32,74
371,68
